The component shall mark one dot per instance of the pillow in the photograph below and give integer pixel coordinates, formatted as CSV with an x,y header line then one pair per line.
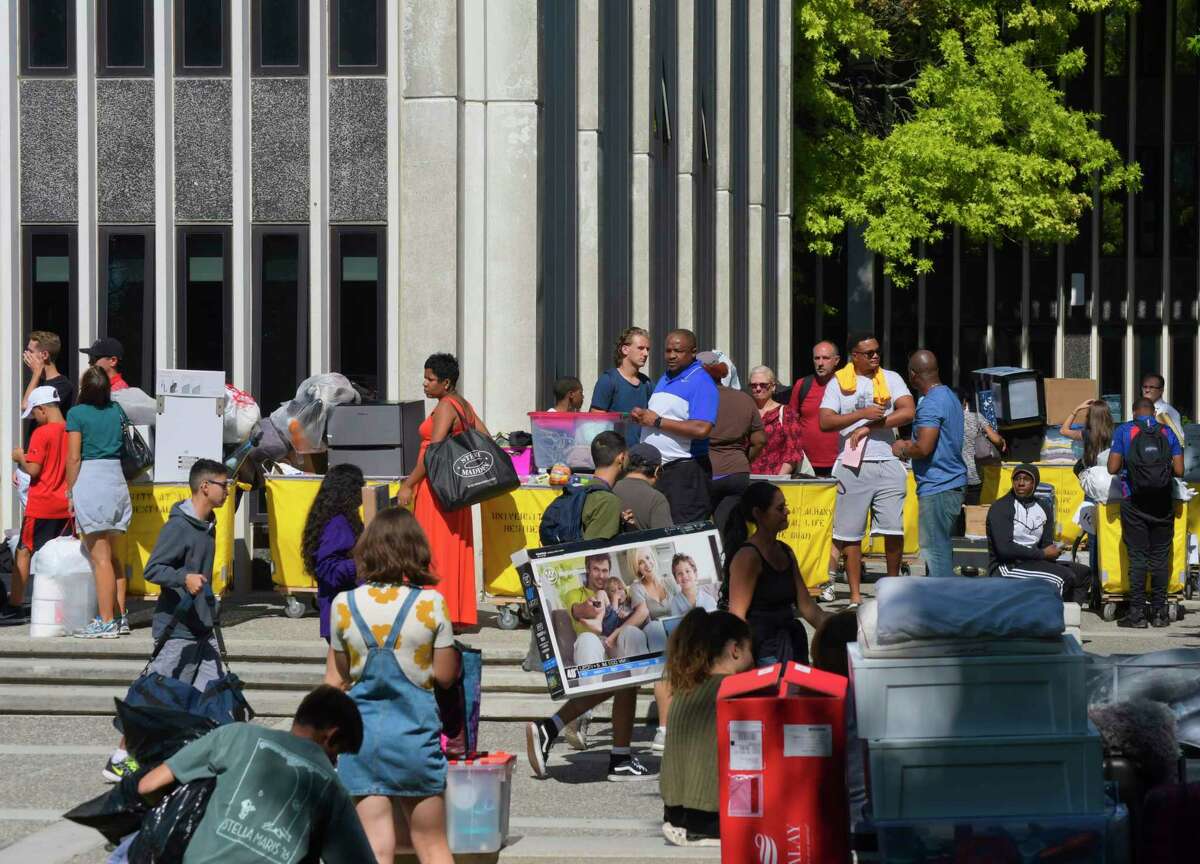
x,y
958,607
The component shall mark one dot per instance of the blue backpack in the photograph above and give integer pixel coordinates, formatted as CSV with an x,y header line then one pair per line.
x,y
563,520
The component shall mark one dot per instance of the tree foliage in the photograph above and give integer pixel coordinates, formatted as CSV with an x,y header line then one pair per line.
x,y
914,116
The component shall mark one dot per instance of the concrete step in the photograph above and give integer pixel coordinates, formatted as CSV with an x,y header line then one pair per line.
x,y
97,699
622,846
244,650
68,670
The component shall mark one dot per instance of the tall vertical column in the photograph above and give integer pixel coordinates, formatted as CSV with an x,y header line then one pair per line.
x,y
320,349
511,215
1025,278
990,337
1168,110
755,246
85,83
681,129
956,304
426,226
242,269
164,187
472,199
641,166
1129,391
783,281
587,85
724,330
10,246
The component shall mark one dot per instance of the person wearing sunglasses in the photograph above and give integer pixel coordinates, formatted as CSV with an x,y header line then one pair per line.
x,y
1153,386
866,404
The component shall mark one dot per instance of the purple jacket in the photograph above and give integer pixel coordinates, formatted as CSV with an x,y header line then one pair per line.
x,y
335,566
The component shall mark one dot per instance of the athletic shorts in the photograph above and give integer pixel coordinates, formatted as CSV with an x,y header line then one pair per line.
x,y
877,488
36,533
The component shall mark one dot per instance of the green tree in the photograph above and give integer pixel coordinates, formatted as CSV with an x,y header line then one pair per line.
x,y
914,116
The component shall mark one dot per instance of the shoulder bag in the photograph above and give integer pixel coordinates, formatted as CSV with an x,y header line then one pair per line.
x,y
468,468
136,455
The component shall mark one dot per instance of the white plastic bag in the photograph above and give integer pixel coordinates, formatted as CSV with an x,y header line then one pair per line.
x,y
301,422
64,592
241,413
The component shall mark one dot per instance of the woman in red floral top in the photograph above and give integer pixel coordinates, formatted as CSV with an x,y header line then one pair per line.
x,y
784,452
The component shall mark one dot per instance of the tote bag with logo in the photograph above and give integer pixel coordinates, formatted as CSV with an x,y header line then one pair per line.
x,y
467,468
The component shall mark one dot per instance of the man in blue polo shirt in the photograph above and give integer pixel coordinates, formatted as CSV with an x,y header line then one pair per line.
x,y
682,411
1148,456
936,454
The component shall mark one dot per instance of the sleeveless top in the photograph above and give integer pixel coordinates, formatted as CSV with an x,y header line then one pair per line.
x,y
776,634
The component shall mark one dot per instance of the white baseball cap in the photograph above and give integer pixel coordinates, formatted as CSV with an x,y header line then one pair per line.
x,y
40,396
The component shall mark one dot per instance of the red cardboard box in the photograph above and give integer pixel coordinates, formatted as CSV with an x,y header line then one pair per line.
x,y
781,754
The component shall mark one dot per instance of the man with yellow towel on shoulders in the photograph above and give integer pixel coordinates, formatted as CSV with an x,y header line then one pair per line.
x,y
866,405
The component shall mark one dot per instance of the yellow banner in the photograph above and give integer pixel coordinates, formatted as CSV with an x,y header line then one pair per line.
x,y
510,523
810,526
152,505
873,545
288,501
1115,579
1068,494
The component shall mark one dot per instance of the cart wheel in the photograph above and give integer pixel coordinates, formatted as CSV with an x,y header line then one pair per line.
x,y
294,608
1109,611
1189,587
1177,611
524,615
827,593
508,619
905,570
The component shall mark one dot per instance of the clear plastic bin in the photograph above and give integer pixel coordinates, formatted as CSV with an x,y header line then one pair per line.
x,y
478,792
566,437
1098,838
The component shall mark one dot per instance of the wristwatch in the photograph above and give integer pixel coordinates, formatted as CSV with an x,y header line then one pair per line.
x,y
657,422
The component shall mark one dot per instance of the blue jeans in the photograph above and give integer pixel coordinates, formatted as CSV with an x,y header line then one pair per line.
x,y
935,521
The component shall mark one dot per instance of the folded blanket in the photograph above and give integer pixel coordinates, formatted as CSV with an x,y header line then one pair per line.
x,y
912,607
868,643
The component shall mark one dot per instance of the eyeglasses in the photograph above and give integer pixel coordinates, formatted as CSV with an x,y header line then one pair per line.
x,y
872,353
759,386
1151,387
224,484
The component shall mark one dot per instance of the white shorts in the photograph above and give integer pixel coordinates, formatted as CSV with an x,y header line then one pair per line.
x,y
875,487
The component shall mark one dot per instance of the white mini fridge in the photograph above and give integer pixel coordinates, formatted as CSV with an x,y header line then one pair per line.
x,y
191,411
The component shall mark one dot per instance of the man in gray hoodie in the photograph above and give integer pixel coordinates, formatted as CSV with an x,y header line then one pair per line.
x,y
181,564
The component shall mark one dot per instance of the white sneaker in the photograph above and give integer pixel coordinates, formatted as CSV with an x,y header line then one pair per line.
x,y
576,733
660,740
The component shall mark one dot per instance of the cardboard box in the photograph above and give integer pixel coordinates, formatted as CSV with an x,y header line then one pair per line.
x,y
1064,394
976,519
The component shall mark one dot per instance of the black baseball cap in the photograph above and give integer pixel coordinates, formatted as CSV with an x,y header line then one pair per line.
x,y
106,347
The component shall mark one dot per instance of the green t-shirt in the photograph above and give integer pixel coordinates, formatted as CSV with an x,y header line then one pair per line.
x,y
601,516
101,430
273,792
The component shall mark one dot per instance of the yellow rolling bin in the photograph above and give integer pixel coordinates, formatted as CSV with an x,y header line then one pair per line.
x,y
1068,494
510,523
288,501
810,530
1114,579
152,503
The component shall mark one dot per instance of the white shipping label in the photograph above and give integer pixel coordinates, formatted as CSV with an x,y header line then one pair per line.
x,y
745,745
805,740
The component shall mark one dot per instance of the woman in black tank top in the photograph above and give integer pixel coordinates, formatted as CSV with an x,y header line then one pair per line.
x,y
762,583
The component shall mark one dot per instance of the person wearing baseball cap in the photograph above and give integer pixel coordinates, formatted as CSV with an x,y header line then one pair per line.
x,y
47,515
651,510
106,353
1021,543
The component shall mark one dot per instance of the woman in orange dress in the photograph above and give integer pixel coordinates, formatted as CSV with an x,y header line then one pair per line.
x,y
450,533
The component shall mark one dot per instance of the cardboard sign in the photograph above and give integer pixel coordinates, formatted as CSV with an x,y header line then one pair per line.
x,y
509,524
593,632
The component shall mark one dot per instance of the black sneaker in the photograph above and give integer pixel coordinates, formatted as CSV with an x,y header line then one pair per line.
x,y
11,616
628,768
1135,620
539,737
1160,618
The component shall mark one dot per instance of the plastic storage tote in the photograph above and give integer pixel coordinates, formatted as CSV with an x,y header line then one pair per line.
x,y
478,792
1098,838
970,697
968,778
566,437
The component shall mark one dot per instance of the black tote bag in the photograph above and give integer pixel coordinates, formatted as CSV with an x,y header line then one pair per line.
x,y
467,468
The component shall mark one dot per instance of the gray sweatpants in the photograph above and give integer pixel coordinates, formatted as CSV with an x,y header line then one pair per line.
x,y
198,663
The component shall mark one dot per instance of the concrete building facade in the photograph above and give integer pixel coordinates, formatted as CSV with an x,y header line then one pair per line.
x,y
280,187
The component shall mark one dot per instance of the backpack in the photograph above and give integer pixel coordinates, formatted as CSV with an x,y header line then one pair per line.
x,y
563,520
1149,459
